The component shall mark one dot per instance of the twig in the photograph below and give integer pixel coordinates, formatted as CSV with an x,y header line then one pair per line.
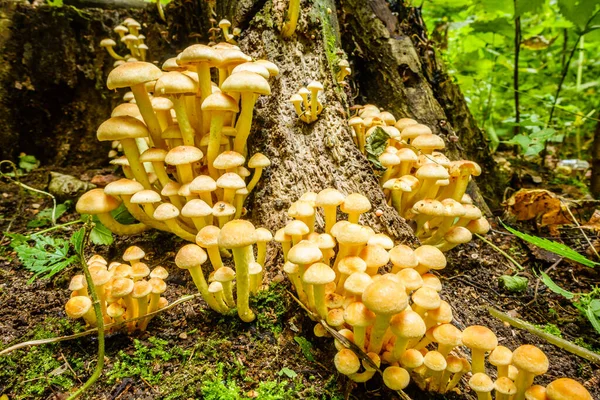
x,y
97,310
69,366
24,186
94,330
580,228
499,250
555,340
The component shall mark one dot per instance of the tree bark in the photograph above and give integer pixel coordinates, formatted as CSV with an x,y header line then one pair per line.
x,y
595,180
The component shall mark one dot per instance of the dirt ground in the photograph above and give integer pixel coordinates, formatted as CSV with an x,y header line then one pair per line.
x,y
190,352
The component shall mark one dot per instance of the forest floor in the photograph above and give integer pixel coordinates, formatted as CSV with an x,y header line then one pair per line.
x,y
191,352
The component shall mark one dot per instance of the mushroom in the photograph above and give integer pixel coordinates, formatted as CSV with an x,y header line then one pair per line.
x,y
135,75
567,389
318,275
141,291
346,362
504,388
501,358
530,361
263,236
218,104
396,378
108,44
406,326
354,205
258,162
328,200
81,306
482,385
122,288
479,339
216,290
249,84
191,257
315,107
97,202
436,364
239,236
168,213
175,86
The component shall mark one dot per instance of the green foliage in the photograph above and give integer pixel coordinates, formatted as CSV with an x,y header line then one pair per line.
x,y
477,42
100,234
305,347
588,304
144,359
26,162
375,144
45,257
517,284
163,2
287,372
554,247
55,3
44,217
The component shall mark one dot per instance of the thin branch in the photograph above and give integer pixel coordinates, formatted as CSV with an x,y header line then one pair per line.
x,y
499,250
94,330
555,340
581,229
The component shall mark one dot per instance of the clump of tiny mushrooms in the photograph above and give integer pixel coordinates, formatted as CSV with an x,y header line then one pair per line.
x,y
308,108
126,291
185,138
132,40
385,299
420,182
224,282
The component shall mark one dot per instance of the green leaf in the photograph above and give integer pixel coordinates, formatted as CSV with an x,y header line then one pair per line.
x,y
123,216
595,306
589,313
555,288
305,347
578,12
375,145
100,234
515,283
502,26
554,247
77,240
287,372
16,239
44,217
46,257
28,163
531,6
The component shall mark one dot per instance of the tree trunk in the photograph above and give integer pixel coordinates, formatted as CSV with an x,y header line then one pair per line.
x,y
595,180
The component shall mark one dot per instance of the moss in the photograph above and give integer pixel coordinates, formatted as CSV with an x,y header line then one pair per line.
x,y
270,306
581,342
144,360
322,12
551,329
38,371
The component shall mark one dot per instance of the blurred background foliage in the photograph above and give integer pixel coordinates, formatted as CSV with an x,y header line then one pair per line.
x,y
557,45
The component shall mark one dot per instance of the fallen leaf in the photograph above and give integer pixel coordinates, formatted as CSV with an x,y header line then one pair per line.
x,y
539,204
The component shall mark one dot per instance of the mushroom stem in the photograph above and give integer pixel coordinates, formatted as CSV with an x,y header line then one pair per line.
x,y
378,332
478,361
243,256
255,179
289,27
244,122
112,53
214,255
205,89
120,229
314,104
161,173
214,142
523,382
261,252
202,286
133,156
187,132
145,105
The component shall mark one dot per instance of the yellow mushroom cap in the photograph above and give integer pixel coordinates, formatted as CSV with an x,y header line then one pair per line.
x,y
407,324
190,256
175,82
183,155
203,183
567,389
530,358
385,297
145,197
199,53
505,386
430,257
318,274
115,310
220,102
96,201
271,67
119,128
403,256
357,283
479,337
246,81
480,382
259,160
535,392
123,187
355,203
121,287
237,233
160,273
78,306
500,356
132,73
412,358
396,378
346,362
165,211
357,314
141,289
305,252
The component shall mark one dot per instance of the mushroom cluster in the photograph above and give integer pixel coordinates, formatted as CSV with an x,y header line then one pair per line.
x,y
123,291
397,318
420,182
308,110
131,38
244,279
343,71
185,162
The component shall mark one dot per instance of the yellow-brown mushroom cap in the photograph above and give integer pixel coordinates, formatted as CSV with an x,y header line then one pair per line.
x,y
199,53
166,211
305,253
246,82
318,274
479,337
408,324
385,297
237,233
530,358
119,128
346,362
480,382
220,102
132,73
430,257
78,306
567,389
141,289
183,155
190,256
355,203
175,83
396,378
96,201
258,160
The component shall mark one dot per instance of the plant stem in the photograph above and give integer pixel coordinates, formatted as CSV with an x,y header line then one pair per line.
x,y
580,63
98,311
517,128
499,250
555,340
55,227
